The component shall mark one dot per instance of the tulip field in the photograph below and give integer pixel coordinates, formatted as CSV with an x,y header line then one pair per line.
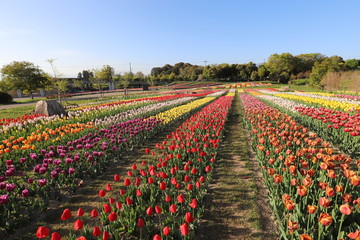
x,y
306,145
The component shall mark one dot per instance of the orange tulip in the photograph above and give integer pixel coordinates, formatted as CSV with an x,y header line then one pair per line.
x,y
345,209
329,192
325,219
302,190
305,237
324,201
311,208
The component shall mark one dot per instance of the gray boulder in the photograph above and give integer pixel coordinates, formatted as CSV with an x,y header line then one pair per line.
x,y
49,108
285,89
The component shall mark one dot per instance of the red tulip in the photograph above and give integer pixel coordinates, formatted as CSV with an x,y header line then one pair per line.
x,y
55,236
94,213
158,209
127,182
166,231
184,228
162,186
149,211
80,212
157,237
118,205
108,187
78,224
116,177
193,203
102,193
172,208
42,232
128,201
96,231
189,218
167,198
181,198
107,208
112,216
66,214
138,193
111,200
140,223
106,235
150,180
81,238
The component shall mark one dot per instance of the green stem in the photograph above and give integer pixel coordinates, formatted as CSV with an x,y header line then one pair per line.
x,y
341,222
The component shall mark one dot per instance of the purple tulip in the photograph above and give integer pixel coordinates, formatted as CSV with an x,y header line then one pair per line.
x,y
4,199
22,160
42,170
42,182
25,193
71,170
10,187
54,174
30,180
2,185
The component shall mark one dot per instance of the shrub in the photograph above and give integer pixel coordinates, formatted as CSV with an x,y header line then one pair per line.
x,y
5,98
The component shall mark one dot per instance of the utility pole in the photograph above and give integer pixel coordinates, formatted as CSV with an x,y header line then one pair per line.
x,y
205,62
130,67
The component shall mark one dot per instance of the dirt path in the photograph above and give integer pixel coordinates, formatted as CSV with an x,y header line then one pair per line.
x,y
236,206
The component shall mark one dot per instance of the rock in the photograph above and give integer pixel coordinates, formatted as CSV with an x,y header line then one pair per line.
x,y
285,89
49,108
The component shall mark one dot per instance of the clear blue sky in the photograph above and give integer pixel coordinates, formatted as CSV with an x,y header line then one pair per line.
x,y
86,34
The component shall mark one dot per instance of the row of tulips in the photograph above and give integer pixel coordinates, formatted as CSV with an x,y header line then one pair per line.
x,y
340,128
84,114
161,198
313,192
43,136
336,103
61,166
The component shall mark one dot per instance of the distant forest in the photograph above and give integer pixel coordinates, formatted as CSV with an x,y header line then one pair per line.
x,y
279,67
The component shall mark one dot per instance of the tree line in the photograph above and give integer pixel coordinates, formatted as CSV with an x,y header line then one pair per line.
x,y
279,67
28,77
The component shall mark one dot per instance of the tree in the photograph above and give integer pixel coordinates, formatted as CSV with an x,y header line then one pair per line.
x,y
320,69
24,76
282,66
60,85
263,73
352,64
139,76
308,60
101,77
126,79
